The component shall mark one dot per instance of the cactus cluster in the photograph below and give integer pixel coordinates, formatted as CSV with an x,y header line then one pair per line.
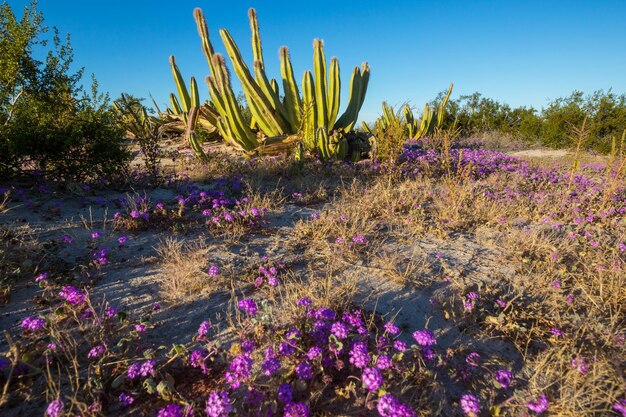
x,y
277,119
413,128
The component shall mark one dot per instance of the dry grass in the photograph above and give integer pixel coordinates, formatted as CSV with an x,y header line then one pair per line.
x,y
184,275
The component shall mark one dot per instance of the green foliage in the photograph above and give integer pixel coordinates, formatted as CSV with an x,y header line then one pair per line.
x,y
47,122
552,126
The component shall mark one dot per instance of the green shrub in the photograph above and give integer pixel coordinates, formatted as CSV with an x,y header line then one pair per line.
x,y
47,122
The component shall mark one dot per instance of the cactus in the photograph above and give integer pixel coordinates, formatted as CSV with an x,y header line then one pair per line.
x,y
413,129
313,116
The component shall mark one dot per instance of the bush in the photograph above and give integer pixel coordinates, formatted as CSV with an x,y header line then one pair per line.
x,y
47,123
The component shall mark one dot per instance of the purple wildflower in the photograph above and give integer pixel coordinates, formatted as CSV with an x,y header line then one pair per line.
x,y
424,337
339,329
125,399
620,406
203,330
214,270
218,404
248,305
33,323
384,362
304,371
239,370
296,410
72,295
171,410
55,408
285,393
470,404
372,379
392,329
504,378
96,352
359,357
539,405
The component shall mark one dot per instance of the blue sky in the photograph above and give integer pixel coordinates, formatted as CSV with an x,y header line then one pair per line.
x,y
519,52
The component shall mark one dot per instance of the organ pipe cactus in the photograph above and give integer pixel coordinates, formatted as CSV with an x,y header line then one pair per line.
x,y
312,115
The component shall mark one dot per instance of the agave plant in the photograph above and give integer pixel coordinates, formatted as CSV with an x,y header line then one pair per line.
x,y
280,122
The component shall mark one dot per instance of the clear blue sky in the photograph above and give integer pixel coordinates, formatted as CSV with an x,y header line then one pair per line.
x,y
519,52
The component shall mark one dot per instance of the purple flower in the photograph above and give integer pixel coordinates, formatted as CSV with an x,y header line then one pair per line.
x,y
620,406
304,371
339,329
203,330
72,295
359,356
314,352
384,362
218,404
135,214
147,368
580,365
214,270
55,408
424,337
304,302
392,329
171,410
248,305
360,239
390,406
197,359
239,370
539,405
125,399
33,323
470,404
400,346
270,366
122,240
41,277
556,331
504,378
472,359
372,379
296,410
285,393
110,312
67,239
140,328
501,303
96,234
96,352
133,370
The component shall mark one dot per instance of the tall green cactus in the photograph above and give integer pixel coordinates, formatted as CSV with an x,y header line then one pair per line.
x,y
309,115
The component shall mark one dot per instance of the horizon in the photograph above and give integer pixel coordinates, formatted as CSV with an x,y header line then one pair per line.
x,y
536,58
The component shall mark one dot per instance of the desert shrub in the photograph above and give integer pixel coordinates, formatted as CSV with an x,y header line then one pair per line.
x,y
47,122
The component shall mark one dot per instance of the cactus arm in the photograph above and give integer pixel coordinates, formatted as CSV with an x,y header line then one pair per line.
x,y
175,104
442,106
192,137
241,132
181,87
256,37
292,102
319,67
268,89
252,89
334,92
346,118
309,110
203,31
194,98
